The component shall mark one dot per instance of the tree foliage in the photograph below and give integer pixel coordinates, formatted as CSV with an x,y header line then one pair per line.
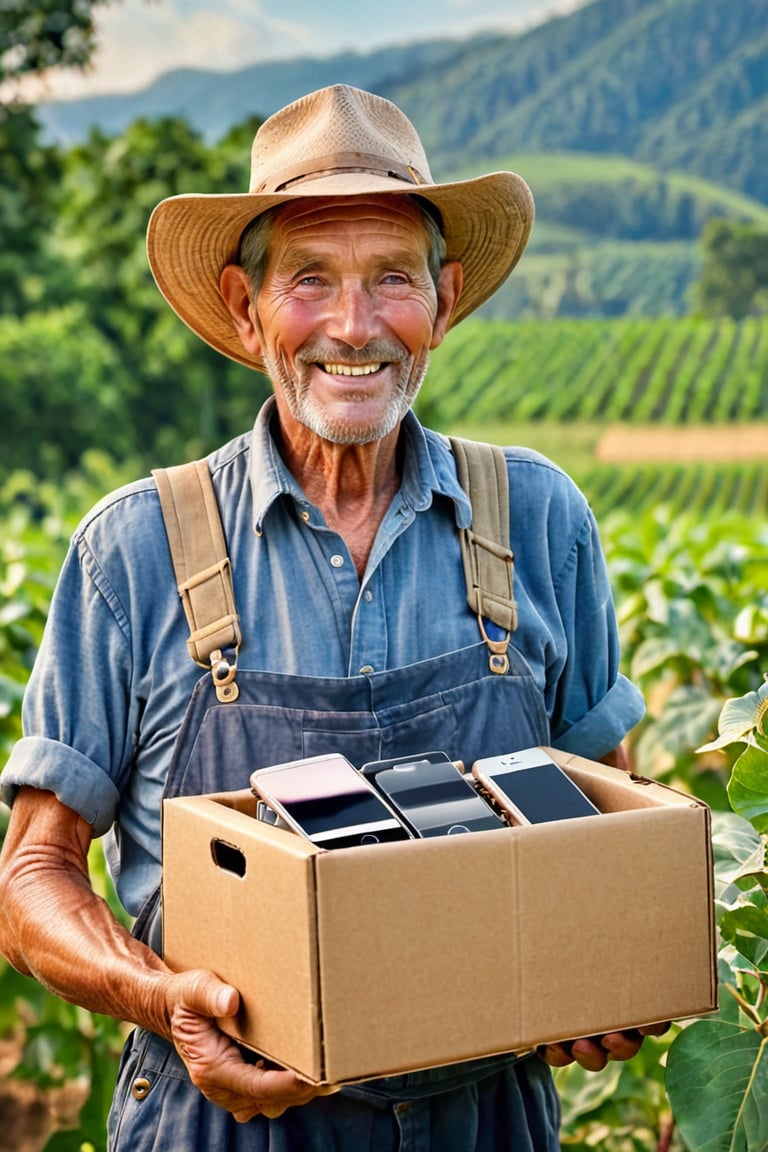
x,y
30,173
91,354
45,34
734,275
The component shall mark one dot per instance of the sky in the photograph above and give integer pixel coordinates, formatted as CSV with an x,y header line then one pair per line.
x,y
139,40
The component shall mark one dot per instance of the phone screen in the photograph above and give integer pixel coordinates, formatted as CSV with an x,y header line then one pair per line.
x,y
325,797
536,786
435,799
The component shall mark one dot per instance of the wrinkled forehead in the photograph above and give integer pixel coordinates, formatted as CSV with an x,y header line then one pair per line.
x,y
395,215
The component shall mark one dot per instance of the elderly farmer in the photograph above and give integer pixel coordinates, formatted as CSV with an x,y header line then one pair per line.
x,y
337,273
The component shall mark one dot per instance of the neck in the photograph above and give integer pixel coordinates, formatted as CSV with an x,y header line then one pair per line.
x,y
352,484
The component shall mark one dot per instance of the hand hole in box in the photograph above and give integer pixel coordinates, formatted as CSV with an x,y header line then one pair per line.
x,y
228,857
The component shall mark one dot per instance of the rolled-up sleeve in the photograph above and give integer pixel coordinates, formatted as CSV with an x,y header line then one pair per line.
x,y
595,706
77,782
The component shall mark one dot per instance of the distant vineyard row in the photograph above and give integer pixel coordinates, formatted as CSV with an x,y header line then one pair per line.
x,y
668,370
704,490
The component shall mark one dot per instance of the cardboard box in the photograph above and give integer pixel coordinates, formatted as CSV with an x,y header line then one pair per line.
x,y
377,960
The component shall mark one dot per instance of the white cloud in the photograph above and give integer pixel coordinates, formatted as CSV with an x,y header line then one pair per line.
x,y
138,40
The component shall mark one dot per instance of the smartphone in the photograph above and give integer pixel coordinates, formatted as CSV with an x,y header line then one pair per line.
x,y
373,767
432,795
268,816
531,787
327,800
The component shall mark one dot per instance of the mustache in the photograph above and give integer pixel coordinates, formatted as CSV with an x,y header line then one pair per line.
x,y
336,351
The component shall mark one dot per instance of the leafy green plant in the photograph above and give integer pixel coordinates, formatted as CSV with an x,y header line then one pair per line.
x,y
60,1047
717,1073
693,618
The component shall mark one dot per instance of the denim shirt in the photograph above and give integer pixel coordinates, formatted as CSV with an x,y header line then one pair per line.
x,y
113,677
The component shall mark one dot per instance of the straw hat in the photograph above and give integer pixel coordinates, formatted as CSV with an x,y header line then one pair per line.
x,y
339,141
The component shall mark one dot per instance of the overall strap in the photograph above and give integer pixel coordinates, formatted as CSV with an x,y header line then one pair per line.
x,y
204,572
202,568
488,559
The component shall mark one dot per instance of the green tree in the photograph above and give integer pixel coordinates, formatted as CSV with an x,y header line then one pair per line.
x,y
185,397
734,275
29,177
65,390
43,34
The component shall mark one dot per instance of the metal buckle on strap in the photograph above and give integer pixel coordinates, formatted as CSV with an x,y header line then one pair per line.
x,y
498,661
223,673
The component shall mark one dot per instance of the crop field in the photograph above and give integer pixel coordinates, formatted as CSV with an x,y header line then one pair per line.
x,y
641,412
667,371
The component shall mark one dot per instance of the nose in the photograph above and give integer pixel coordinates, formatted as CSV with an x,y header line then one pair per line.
x,y
353,317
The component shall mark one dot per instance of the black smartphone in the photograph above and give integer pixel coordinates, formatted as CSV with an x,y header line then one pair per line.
x,y
432,795
327,800
531,787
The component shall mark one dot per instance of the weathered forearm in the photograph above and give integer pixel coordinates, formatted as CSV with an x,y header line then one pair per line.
x,y
54,927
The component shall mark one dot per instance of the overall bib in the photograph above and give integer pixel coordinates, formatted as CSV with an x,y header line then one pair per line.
x,y
457,702
453,702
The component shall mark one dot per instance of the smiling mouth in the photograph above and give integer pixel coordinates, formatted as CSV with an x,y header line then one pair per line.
x,y
351,369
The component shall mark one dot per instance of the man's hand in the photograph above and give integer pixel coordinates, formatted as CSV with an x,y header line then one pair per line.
x,y
594,1052
216,1065
54,927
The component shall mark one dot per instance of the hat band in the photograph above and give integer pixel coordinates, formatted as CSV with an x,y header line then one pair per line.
x,y
339,162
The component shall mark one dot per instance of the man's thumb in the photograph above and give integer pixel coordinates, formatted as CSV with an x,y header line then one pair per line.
x,y
209,996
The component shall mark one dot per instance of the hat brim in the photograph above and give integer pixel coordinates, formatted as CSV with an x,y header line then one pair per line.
x,y
191,238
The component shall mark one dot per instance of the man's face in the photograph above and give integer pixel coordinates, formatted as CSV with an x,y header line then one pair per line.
x,y
346,314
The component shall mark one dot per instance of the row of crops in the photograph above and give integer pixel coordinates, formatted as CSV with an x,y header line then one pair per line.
x,y
668,370
700,489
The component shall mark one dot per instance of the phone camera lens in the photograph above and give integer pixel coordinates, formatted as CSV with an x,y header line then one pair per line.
x,y
369,838
454,828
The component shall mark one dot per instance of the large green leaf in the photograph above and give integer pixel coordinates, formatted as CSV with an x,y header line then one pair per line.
x,y
740,715
746,928
748,786
738,851
717,1083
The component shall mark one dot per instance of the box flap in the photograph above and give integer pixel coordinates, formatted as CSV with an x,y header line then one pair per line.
x,y
614,790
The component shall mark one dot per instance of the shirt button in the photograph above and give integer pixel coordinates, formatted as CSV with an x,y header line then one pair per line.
x,y
366,669
337,561
368,596
305,517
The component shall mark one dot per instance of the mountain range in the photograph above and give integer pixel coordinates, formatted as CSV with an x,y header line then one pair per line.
x,y
680,84
641,118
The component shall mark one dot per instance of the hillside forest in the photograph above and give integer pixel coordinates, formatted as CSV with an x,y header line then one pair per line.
x,y
630,346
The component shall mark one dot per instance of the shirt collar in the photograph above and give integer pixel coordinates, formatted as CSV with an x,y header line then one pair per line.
x,y
428,469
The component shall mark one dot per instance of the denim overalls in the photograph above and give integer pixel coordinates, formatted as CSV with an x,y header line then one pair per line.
x,y
455,702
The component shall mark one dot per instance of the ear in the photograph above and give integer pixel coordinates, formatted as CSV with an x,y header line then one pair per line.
x,y
235,288
449,285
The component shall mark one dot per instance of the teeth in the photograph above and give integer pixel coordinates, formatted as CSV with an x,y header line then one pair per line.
x,y
351,369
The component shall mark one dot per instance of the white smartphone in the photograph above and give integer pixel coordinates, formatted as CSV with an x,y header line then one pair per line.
x,y
327,800
531,787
